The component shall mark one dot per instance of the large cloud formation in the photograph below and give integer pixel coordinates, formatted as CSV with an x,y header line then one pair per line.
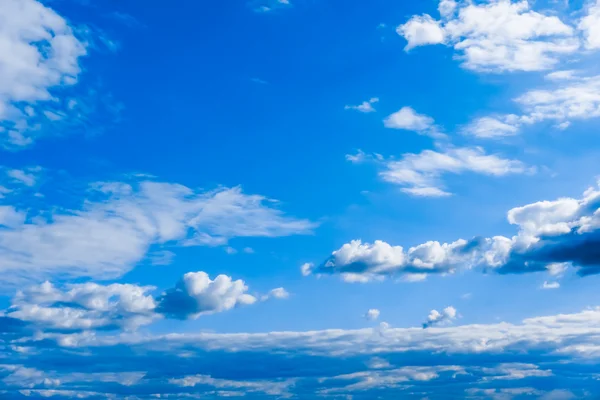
x,y
499,35
111,226
559,232
88,307
470,361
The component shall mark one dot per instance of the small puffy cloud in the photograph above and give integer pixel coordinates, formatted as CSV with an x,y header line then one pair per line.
x,y
408,119
306,268
496,36
277,293
420,31
372,314
550,285
435,317
420,174
563,75
365,106
196,295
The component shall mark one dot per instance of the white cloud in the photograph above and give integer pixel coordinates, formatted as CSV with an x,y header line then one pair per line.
x,y
197,295
551,285
38,53
27,176
493,127
495,36
365,106
514,371
408,119
447,8
372,314
590,26
420,174
85,306
435,317
552,235
563,75
277,293
420,31
239,388
118,222
306,269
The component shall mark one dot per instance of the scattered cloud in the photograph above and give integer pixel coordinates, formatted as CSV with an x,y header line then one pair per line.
x,y
365,106
408,119
421,31
446,316
372,314
590,26
550,285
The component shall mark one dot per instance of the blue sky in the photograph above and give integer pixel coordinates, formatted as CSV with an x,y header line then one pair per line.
x,y
299,199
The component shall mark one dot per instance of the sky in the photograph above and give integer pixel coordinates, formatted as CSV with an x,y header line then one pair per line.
x,y
299,199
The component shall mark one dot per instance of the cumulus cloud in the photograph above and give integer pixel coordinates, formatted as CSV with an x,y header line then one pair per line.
x,y
196,295
365,106
420,174
552,235
420,31
40,53
372,314
494,127
408,119
495,36
117,223
88,306
550,285
95,307
436,317
272,388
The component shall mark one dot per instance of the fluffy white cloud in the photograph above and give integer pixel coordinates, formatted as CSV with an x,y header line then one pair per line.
x,y
27,177
92,307
420,31
590,25
514,371
420,174
118,222
495,36
38,53
85,306
408,119
552,236
372,314
493,127
197,295
436,317
365,106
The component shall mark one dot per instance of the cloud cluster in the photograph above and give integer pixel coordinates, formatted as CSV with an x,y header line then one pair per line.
x,y
435,317
551,236
94,307
498,35
117,223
